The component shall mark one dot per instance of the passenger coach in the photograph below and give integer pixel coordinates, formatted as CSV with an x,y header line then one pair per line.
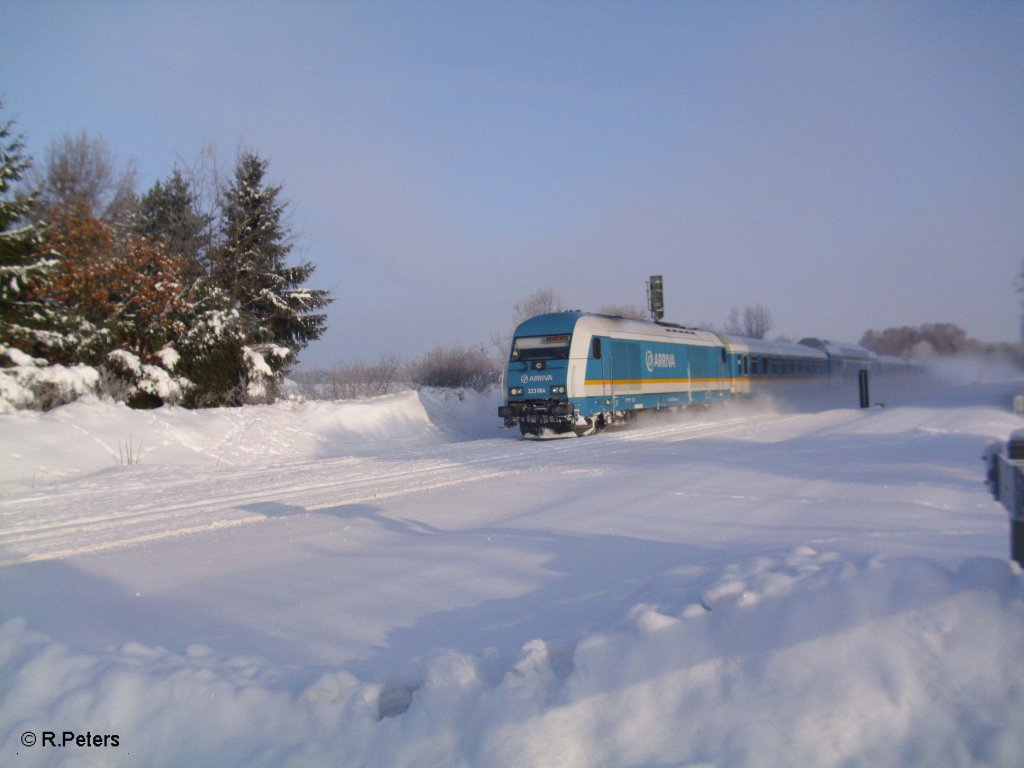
x,y
759,363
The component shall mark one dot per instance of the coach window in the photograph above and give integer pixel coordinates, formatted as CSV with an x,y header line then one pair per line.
x,y
595,348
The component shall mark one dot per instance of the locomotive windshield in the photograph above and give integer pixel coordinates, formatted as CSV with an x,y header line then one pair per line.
x,y
541,347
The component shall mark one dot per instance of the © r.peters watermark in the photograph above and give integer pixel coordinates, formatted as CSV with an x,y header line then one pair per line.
x,y
69,739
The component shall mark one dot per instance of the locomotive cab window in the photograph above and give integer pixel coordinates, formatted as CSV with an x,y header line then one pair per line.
x,y
541,347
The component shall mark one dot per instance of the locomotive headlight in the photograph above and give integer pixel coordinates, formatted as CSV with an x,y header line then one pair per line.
x,y
558,389
515,391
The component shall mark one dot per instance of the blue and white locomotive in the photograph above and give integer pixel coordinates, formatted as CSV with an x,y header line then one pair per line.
x,y
578,372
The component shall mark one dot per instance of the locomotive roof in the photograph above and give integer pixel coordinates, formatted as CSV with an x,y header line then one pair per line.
x,y
567,322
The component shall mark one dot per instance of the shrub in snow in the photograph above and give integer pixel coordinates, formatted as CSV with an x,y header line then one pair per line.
x,y
27,382
455,368
263,364
146,386
352,381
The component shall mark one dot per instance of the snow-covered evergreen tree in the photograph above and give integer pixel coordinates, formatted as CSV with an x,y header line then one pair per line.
x,y
25,322
139,300
35,336
280,315
17,235
169,212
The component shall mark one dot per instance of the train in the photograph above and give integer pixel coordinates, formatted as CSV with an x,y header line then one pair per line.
x,y
578,372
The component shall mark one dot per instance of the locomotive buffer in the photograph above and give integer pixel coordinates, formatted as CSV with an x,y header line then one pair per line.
x,y
1005,480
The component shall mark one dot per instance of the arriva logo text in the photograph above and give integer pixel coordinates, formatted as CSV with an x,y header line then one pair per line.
x,y
660,360
526,378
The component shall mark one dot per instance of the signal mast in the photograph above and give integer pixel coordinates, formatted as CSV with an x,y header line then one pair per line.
x,y
655,297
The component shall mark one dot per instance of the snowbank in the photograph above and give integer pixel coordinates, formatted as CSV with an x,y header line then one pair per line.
x,y
90,435
731,588
809,659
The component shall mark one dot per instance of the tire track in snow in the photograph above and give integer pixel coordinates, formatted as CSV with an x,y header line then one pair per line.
x,y
99,528
113,511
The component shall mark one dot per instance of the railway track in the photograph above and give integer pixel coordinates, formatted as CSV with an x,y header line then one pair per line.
x,y
143,504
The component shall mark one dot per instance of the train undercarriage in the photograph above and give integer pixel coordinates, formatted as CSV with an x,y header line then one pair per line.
x,y
556,418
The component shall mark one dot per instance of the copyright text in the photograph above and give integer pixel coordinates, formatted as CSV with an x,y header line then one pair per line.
x,y
70,739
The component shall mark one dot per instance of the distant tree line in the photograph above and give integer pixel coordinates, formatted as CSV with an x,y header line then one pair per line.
x,y
936,339
183,294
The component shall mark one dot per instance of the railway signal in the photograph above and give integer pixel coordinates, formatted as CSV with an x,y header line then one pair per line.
x,y
656,297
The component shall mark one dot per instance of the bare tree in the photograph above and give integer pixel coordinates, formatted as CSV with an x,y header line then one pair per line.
x,y
352,381
1020,289
755,323
80,173
455,368
897,341
540,302
207,179
732,323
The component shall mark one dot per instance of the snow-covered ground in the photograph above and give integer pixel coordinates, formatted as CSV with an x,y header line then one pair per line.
x,y
399,582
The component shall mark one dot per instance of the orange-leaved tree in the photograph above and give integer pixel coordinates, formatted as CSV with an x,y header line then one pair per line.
x,y
127,291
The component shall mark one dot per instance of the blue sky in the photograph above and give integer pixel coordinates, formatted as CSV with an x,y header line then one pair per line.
x,y
849,165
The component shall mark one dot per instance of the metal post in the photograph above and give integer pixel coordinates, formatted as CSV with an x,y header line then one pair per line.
x,y
1004,476
1017,541
865,395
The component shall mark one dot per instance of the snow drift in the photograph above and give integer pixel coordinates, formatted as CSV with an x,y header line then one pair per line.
x,y
736,588
810,659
